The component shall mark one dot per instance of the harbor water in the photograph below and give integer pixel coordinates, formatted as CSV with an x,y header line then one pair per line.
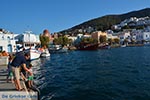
x,y
114,74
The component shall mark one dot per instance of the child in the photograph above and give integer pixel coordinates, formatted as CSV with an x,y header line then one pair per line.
x,y
10,74
30,77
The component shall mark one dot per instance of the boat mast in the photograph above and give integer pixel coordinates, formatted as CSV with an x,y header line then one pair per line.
x,y
29,35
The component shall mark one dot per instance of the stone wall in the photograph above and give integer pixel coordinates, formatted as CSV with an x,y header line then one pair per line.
x,y
3,60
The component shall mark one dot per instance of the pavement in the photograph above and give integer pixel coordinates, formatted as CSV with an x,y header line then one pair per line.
x,y
4,86
7,89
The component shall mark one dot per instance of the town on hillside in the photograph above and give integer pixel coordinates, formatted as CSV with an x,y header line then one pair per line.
x,y
130,32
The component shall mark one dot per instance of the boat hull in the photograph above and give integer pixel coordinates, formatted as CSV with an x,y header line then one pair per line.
x,y
104,47
57,49
88,47
34,54
45,53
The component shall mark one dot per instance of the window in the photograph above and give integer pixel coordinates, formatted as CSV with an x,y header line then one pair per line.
x,y
1,48
8,38
146,36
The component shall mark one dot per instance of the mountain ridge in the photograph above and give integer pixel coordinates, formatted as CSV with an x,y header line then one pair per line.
x,y
105,22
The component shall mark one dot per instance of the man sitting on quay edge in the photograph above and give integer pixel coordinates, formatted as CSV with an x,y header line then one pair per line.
x,y
18,61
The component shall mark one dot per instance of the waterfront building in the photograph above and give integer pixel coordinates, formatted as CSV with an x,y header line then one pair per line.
x,y
96,35
55,35
78,39
7,42
147,29
124,36
73,38
27,40
143,36
110,36
109,31
87,36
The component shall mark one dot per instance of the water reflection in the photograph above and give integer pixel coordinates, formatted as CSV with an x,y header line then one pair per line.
x,y
115,74
39,71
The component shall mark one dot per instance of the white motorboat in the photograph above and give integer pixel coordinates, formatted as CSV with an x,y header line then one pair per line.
x,y
123,45
34,54
45,53
57,49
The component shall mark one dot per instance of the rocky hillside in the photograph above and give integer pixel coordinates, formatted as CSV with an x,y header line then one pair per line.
x,y
105,22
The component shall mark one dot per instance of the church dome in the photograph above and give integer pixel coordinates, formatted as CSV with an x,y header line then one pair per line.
x,y
46,33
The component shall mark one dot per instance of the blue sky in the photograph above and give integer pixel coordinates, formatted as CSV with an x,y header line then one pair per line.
x,y
56,15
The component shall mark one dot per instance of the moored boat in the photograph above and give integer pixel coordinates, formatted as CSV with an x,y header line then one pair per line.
x,y
123,45
89,46
57,49
45,53
34,54
104,47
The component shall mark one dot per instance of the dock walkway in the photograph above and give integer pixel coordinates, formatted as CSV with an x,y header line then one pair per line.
x,y
4,86
9,87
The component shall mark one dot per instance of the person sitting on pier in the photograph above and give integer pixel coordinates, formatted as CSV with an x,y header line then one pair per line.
x,y
18,61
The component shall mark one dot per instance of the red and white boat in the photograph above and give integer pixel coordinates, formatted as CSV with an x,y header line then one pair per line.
x,y
34,54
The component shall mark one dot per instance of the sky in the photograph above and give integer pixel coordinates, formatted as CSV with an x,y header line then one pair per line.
x,y
56,15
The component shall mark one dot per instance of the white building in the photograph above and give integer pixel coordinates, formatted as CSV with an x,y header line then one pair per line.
x,y
86,36
143,36
124,36
110,36
147,29
7,42
78,39
28,40
73,38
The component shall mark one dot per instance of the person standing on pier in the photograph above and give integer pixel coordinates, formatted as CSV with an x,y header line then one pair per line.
x,y
18,61
10,74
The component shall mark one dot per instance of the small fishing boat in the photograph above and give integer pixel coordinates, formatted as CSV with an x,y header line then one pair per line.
x,y
57,49
45,53
123,45
104,47
87,46
34,54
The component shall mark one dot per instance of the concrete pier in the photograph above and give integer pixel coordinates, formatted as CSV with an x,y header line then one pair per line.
x,y
4,86
3,60
8,88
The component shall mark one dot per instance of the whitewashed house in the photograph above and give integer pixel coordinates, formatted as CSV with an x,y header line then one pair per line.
x,y
28,40
124,36
73,38
7,42
78,39
87,36
110,36
143,36
147,29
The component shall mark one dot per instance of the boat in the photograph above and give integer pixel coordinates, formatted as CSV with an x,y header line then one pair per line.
x,y
123,45
87,46
104,46
28,44
57,49
45,53
34,54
